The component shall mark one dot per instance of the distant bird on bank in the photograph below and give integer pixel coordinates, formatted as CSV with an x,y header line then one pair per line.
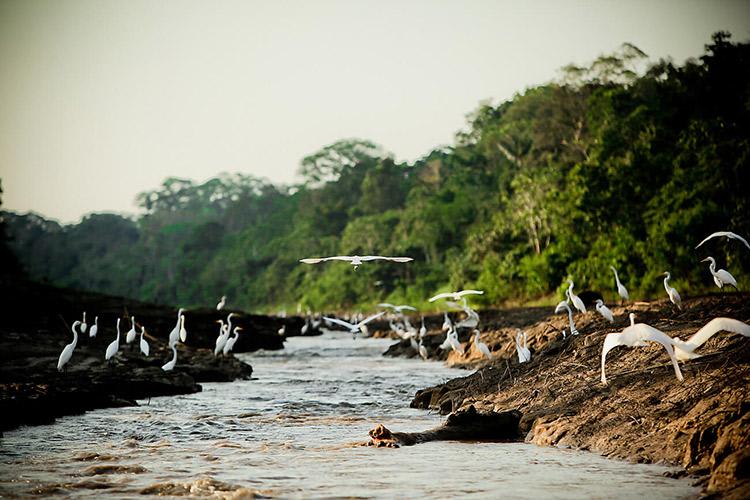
x,y
174,335
447,323
636,335
575,299
183,332
169,365
455,295
481,346
398,309
621,290
721,277
355,260
67,351
113,346
232,340
604,311
224,332
674,296
131,333
221,303
83,323
523,352
354,329
94,328
454,342
422,350
144,344
685,350
422,330
563,305
728,234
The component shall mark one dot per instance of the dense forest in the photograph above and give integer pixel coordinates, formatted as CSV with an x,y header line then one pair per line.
x,y
605,166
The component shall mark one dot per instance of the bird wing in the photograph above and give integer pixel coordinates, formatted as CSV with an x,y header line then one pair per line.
x,y
340,322
469,292
312,261
408,308
380,257
728,234
386,304
367,320
611,341
643,332
713,327
440,296
562,306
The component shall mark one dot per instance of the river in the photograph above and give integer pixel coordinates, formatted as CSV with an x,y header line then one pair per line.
x,y
290,433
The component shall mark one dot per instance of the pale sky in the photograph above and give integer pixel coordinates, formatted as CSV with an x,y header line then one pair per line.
x,y
100,100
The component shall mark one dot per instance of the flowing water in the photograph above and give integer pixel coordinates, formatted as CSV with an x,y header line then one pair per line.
x,y
290,433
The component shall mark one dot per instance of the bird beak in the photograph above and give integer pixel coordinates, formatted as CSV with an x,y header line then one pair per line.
x,y
705,260
239,328
217,321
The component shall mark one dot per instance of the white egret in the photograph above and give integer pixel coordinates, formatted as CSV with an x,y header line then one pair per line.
x,y
684,350
674,296
604,311
577,302
232,340
481,346
144,344
224,332
398,309
721,277
83,323
174,335
728,234
454,342
354,329
282,330
183,332
447,323
94,328
113,346
305,327
413,343
564,305
455,295
356,260
131,333
221,303
523,352
169,365
422,330
636,335
621,290
422,350
67,351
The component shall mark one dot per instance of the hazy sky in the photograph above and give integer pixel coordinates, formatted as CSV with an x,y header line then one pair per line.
x,y
100,100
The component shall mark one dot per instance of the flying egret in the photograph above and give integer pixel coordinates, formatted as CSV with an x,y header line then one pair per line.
x,y
621,290
564,305
455,295
684,350
131,333
67,351
356,328
721,277
524,355
398,309
481,346
94,328
577,302
672,291
144,344
728,234
356,260
636,335
221,303
604,311
232,340
422,350
83,323
169,365
113,346
174,335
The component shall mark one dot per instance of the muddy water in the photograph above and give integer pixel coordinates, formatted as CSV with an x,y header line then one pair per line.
x,y
288,433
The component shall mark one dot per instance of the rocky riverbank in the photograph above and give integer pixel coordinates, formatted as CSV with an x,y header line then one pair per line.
x,y
35,322
644,414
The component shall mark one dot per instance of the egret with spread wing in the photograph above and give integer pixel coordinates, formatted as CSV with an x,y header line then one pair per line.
x,y
455,295
685,349
728,234
355,260
354,329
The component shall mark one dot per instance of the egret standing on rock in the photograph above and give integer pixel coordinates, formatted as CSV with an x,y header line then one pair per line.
x,y
621,290
113,346
577,302
481,346
674,296
721,277
174,335
232,340
131,333
83,323
524,355
94,328
169,365
144,344
67,351
604,311
563,305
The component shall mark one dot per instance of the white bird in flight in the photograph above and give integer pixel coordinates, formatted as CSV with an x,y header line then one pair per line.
x,y
728,234
621,290
398,309
113,346
94,328
67,351
674,296
174,335
604,311
455,295
169,365
577,302
131,333
144,344
354,329
524,355
481,346
636,335
721,277
684,350
355,260
563,305
221,303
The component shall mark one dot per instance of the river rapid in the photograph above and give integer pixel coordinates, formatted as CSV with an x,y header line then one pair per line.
x,y
292,432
